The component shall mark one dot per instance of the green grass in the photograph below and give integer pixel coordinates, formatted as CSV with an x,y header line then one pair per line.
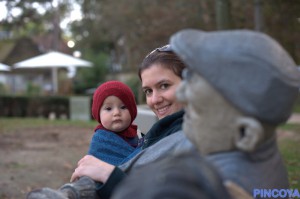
x,y
291,127
289,147
10,124
290,150
297,106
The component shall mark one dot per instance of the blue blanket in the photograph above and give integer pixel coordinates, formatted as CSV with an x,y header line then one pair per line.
x,y
109,147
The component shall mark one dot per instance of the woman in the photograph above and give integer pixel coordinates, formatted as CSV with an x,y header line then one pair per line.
x,y
160,74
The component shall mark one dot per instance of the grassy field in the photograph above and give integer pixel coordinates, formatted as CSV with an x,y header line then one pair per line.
x,y
289,145
10,124
290,149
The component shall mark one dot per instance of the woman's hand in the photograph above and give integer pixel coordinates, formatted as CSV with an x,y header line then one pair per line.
x,y
94,168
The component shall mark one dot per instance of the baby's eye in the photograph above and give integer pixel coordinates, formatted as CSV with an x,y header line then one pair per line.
x,y
107,108
123,107
148,92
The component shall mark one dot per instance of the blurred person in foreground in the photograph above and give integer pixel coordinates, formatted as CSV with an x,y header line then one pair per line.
x,y
239,86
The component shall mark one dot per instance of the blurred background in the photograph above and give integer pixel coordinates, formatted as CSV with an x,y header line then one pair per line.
x,y
116,35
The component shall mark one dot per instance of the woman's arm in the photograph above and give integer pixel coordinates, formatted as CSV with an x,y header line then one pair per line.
x,y
94,168
107,176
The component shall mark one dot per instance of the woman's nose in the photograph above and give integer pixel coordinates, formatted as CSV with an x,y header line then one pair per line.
x,y
156,98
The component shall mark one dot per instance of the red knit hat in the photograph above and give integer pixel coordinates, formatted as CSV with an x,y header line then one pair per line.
x,y
115,88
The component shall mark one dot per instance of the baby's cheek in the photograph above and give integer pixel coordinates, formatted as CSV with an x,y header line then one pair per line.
x,y
105,123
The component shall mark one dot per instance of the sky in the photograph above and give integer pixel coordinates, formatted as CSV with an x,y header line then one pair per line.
x,y
74,15
2,10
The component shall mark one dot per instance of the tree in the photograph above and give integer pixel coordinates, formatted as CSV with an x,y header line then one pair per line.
x,y
36,16
132,28
88,78
282,22
223,16
258,16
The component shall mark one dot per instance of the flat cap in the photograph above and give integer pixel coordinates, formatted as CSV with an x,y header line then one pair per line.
x,y
250,69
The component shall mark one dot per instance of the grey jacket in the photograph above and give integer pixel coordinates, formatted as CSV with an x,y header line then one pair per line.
x,y
261,169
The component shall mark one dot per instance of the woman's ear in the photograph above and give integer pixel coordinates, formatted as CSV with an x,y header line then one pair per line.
x,y
250,133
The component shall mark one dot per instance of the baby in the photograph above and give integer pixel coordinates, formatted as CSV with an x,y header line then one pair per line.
x,y
115,137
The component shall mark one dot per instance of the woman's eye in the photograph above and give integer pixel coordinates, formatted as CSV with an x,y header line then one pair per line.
x,y
123,107
147,92
164,86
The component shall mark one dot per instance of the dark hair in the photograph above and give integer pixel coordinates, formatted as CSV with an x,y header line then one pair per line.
x,y
167,58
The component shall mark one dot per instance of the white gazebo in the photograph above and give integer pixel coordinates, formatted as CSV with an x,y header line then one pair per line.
x,y
3,73
4,67
53,60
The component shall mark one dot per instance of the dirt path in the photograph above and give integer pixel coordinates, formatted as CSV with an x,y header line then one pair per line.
x,y
45,157
38,157
295,118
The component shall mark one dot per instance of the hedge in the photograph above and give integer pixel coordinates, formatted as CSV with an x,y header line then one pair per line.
x,y
34,106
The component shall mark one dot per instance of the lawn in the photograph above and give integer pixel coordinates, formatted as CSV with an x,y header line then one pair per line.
x,y
10,124
39,153
290,149
26,142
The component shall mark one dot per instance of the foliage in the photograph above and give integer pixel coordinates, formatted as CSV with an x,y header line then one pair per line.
x,y
132,28
136,27
2,88
279,14
33,89
297,105
87,78
33,106
33,21
135,85
125,31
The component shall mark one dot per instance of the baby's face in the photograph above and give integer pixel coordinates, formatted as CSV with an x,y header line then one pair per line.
x,y
114,115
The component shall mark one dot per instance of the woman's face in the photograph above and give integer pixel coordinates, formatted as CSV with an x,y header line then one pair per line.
x,y
159,84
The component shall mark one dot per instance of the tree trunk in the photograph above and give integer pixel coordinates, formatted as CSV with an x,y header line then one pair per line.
x,y
223,18
258,16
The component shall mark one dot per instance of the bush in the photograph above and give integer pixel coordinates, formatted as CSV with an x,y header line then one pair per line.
x,y
2,88
33,106
297,105
135,84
